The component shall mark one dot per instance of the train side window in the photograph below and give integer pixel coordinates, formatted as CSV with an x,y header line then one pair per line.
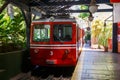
x,y
62,32
41,33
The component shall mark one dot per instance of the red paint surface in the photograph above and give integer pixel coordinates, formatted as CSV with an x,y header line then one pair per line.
x,y
59,56
114,1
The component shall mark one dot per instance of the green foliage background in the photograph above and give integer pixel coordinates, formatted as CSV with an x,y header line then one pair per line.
x,y
101,32
12,31
84,15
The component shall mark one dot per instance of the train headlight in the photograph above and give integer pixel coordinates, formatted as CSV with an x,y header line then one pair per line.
x,y
36,50
51,19
51,53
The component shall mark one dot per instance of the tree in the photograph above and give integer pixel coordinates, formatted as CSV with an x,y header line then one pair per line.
x,y
96,29
1,2
12,30
84,15
10,11
101,33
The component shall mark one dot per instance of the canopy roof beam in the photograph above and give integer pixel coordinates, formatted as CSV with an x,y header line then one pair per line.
x,y
62,3
80,11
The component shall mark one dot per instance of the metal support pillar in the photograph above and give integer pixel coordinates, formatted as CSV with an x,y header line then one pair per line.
x,y
27,16
114,38
26,65
116,19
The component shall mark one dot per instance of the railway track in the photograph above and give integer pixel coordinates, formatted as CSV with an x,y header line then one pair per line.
x,y
48,74
50,77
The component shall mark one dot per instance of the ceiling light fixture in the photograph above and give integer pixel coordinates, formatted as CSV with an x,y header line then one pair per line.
x,y
90,18
93,7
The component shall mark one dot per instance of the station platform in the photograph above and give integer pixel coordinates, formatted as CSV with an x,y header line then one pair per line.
x,y
95,64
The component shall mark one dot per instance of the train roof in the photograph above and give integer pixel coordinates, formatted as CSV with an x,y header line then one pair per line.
x,y
56,20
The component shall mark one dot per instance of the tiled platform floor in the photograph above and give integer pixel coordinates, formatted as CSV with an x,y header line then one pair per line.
x,y
96,64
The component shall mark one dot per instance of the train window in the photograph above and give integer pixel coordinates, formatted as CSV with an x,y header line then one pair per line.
x,y
62,32
41,33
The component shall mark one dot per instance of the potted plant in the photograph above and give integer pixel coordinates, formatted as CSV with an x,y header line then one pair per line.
x,y
105,34
102,41
95,32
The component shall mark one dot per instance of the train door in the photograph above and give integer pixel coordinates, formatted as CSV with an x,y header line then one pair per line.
x,y
64,42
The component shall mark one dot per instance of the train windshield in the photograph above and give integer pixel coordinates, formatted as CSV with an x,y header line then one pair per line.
x,y
62,32
41,33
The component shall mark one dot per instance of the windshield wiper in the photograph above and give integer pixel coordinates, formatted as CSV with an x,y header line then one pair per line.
x,y
59,39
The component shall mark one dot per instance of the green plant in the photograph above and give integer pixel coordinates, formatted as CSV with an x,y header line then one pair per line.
x,y
105,34
96,30
84,16
12,32
87,36
101,33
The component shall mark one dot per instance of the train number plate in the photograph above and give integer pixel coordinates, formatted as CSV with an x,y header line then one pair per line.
x,y
51,61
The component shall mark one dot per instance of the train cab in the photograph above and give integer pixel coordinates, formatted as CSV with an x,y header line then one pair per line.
x,y
54,43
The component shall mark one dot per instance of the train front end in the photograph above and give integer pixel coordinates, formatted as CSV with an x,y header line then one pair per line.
x,y
53,44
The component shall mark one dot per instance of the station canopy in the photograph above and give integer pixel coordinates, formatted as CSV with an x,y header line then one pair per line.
x,y
57,7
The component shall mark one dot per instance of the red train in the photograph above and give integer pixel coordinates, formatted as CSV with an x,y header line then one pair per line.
x,y
55,43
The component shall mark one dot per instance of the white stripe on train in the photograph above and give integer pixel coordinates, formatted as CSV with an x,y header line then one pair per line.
x,y
51,45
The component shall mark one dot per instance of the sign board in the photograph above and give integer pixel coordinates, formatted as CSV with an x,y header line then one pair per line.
x,y
114,1
118,31
116,12
118,38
